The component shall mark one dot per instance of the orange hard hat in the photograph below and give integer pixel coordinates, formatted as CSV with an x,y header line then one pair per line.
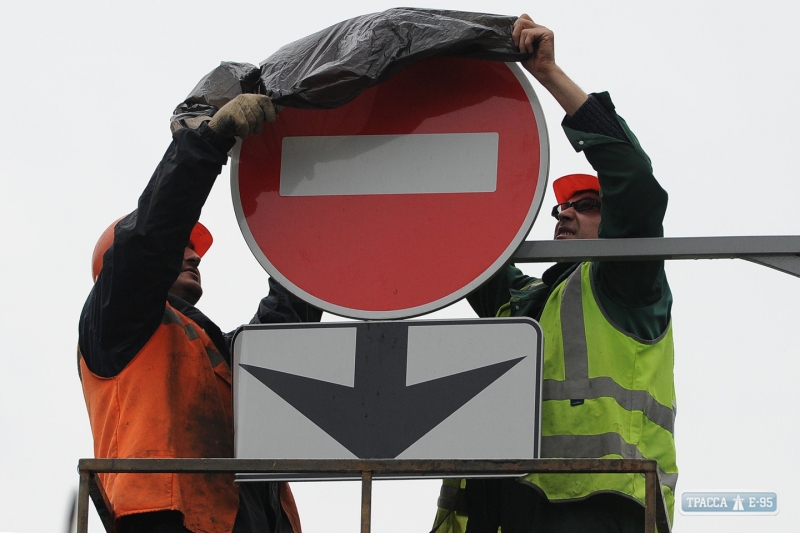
x,y
200,239
565,187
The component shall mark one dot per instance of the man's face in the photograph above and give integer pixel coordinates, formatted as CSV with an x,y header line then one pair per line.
x,y
574,224
187,286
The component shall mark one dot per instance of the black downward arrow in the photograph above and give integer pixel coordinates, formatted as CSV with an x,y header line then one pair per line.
x,y
379,417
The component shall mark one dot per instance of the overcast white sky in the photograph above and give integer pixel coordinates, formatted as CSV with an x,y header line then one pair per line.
x,y
710,88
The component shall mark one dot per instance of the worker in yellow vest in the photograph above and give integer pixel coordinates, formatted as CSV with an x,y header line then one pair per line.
x,y
608,388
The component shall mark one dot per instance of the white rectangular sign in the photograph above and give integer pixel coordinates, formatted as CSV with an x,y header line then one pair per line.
x,y
389,164
418,389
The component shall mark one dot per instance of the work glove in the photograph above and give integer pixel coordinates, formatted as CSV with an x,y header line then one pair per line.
x,y
243,116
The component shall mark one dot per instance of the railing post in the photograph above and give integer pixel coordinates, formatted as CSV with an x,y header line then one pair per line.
x,y
83,503
650,487
366,501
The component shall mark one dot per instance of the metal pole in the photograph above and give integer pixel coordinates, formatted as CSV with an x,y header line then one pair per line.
x,y
366,500
650,481
781,252
83,503
658,248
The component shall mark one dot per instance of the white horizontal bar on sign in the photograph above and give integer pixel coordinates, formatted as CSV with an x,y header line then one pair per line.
x,y
389,164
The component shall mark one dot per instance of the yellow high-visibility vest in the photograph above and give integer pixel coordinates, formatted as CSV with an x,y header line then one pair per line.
x,y
605,394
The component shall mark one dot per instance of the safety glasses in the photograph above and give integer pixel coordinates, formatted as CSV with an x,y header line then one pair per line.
x,y
584,204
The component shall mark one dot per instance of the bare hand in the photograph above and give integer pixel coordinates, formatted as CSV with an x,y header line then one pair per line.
x,y
531,38
243,116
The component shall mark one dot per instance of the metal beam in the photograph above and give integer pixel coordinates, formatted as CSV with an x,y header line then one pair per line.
x,y
781,252
387,467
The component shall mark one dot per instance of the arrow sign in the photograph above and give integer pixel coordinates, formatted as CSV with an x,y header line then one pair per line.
x,y
380,416
419,389
403,200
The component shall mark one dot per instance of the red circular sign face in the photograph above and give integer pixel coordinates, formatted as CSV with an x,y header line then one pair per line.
x,y
405,199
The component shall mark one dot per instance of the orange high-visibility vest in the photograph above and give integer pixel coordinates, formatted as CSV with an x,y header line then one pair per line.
x,y
172,400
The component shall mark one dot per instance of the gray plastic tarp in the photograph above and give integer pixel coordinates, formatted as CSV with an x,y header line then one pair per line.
x,y
333,66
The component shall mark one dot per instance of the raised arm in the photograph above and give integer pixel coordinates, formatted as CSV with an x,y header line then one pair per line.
x,y
127,301
635,293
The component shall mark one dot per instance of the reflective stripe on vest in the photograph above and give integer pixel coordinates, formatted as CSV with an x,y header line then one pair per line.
x,y
593,446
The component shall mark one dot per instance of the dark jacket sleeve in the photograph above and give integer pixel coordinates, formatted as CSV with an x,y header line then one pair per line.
x,y
634,293
495,293
281,306
126,303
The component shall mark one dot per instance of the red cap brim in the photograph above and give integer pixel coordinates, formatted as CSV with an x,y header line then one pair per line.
x,y
565,187
201,239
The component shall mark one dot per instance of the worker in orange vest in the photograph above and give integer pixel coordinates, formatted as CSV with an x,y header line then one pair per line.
x,y
155,370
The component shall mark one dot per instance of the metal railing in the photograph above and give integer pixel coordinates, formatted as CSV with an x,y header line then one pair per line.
x,y
655,516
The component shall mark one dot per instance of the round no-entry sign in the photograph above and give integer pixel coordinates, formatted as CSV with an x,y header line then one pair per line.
x,y
403,200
